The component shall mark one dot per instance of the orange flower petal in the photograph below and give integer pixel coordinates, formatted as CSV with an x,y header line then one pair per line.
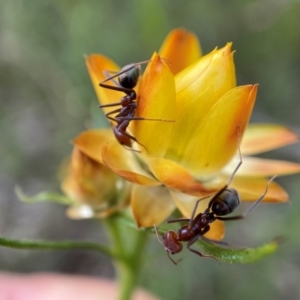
x,y
100,145
156,100
198,88
96,65
250,189
181,48
264,137
186,206
255,167
215,142
89,181
151,205
90,142
127,169
177,178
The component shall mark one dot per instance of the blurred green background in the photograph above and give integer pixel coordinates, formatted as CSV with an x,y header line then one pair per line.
x,y
47,99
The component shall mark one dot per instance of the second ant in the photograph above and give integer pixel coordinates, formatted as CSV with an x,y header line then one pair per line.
x,y
224,202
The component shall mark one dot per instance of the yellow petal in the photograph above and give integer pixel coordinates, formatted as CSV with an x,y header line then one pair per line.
x,y
151,205
96,65
177,178
186,206
90,142
215,142
156,100
126,168
259,167
181,48
250,189
198,88
264,137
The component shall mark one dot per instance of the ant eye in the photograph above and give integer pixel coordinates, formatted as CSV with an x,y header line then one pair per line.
x,y
227,202
129,79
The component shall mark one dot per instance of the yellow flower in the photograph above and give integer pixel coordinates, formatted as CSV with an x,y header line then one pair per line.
x,y
95,190
195,155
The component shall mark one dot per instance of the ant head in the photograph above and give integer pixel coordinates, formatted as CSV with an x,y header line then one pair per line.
x,y
225,203
129,76
170,242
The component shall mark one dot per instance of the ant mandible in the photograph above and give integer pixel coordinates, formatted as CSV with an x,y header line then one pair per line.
x,y
224,202
127,79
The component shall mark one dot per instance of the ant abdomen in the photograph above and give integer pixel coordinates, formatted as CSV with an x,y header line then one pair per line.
x,y
171,243
122,138
226,202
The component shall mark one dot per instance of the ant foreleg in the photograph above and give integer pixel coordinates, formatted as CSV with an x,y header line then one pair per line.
x,y
197,203
113,75
178,220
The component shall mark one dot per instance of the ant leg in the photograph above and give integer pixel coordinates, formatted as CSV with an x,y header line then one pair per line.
x,y
134,139
115,88
172,260
111,73
110,104
158,235
144,119
193,213
232,175
112,112
240,156
251,208
178,220
191,242
196,206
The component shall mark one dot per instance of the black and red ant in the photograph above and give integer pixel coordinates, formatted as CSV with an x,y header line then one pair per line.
x,y
224,202
127,79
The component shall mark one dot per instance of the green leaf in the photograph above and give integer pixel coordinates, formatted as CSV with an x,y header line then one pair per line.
x,y
234,255
240,256
42,197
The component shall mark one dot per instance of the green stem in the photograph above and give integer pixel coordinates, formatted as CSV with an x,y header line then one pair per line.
x,y
130,249
56,245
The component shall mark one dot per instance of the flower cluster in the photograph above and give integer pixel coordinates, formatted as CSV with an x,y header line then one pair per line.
x,y
182,160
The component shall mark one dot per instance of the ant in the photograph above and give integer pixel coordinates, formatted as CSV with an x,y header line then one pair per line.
x,y
224,202
127,79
